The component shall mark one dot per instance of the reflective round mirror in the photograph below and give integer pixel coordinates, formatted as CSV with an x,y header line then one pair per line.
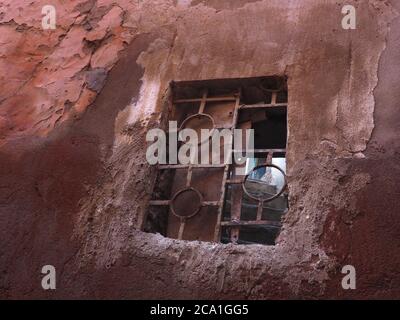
x,y
265,183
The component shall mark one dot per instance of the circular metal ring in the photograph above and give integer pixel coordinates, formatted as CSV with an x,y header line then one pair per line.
x,y
267,199
196,211
198,115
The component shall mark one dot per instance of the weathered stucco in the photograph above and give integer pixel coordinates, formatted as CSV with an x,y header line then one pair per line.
x,y
76,103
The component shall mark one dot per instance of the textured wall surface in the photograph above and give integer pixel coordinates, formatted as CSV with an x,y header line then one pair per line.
x,y
77,101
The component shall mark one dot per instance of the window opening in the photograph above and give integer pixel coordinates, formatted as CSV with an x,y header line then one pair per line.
x,y
212,202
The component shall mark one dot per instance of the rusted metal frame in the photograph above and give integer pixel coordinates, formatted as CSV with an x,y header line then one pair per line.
x,y
159,202
236,209
189,176
260,210
261,151
234,181
261,203
203,101
214,99
185,166
269,157
190,168
274,97
248,205
217,233
263,105
236,200
168,202
233,224
223,127
211,203
236,205
181,228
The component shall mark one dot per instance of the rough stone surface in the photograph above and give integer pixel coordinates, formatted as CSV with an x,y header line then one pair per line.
x,y
76,102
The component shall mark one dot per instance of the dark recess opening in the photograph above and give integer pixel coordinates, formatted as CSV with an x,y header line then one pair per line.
x,y
228,209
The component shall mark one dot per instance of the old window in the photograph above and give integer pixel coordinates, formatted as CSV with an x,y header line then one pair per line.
x,y
225,201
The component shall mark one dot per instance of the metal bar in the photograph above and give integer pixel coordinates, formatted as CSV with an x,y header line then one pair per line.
x,y
261,151
244,242
249,223
269,157
185,166
215,99
210,203
263,105
255,206
181,229
159,202
260,210
263,183
224,127
203,101
236,209
168,202
217,233
189,176
234,181
190,169
274,96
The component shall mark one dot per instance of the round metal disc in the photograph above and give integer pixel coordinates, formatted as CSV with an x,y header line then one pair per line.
x,y
186,203
201,118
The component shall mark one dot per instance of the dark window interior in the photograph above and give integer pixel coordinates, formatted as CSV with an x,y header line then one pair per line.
x,y
228,213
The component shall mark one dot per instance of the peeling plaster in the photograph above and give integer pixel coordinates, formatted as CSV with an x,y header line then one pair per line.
x,y
332,77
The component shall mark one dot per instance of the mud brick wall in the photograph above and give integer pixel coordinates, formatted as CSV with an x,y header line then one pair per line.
x,y
77,101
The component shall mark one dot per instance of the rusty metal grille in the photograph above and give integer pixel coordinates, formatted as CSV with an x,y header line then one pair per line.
x,y
205,196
